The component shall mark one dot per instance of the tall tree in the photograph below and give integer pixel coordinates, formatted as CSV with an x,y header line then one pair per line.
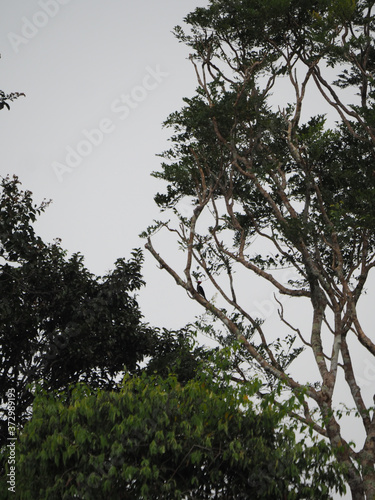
x,y
270,184
60,324
156,438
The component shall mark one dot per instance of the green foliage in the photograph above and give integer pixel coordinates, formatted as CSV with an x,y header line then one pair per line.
x,y
58,322
156,438
176,352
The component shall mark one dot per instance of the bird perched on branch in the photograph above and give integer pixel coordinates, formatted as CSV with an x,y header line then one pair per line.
x,y
200,289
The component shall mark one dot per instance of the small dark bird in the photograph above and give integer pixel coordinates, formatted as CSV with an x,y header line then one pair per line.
x,y
200,289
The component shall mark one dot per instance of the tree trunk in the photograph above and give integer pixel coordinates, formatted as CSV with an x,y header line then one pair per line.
x,y
367,460
357,490
369,484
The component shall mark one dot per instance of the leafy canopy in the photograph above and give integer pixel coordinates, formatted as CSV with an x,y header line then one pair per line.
x,y
156,438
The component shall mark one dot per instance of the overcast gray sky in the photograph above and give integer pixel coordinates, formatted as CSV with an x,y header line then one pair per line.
x,y
100,77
